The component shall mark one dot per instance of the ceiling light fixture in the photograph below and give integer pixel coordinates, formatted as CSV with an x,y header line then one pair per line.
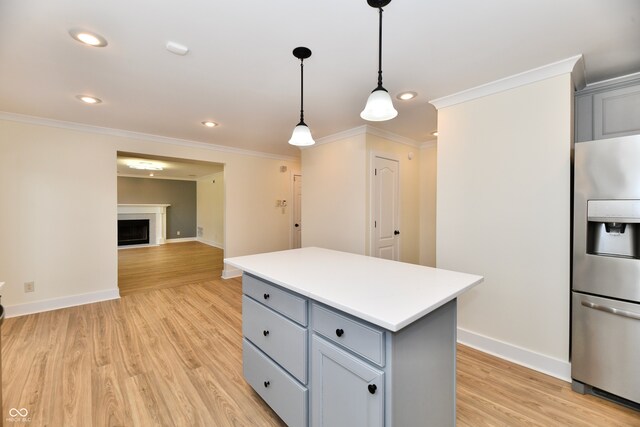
x,y
143,165
209,124
88,38
89,99
301,135
379,104
405,96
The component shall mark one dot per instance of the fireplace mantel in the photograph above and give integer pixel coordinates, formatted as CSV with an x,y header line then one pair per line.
x,y
156,214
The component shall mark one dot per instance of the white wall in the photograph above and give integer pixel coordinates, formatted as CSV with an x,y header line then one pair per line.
x,y
59,183
428,177
336,187
210,209
334,191
503,209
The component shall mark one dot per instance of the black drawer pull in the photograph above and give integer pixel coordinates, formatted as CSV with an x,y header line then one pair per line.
x,y
372,388
266,296
267,383
339,332
265,333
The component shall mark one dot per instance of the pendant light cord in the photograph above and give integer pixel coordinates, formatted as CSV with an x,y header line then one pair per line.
x,y
301,91
380,53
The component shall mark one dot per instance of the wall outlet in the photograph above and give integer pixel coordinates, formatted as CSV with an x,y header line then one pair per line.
x,y
178,232
29,286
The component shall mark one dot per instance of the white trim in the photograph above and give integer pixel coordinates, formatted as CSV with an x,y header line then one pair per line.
x,y
363,130
210,243
392,136
569,65
428,144
546,364
229,273
181,240
128,175
62,302
22,118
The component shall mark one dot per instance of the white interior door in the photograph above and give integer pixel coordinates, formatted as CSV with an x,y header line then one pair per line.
x,y
297,211
385,205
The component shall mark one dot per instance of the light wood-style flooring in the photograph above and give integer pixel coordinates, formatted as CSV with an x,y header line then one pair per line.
x,y
165,266
172,357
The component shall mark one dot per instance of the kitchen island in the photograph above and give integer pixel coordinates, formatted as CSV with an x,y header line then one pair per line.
x,y
339,339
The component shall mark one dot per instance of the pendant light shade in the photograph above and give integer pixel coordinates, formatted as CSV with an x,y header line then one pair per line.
x,y
379,105
301,135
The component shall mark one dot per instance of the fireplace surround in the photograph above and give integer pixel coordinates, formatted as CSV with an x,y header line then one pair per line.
x,y
156,214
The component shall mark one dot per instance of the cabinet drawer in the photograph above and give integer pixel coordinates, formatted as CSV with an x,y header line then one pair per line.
x,y
284,341
284,302
352,334
281,392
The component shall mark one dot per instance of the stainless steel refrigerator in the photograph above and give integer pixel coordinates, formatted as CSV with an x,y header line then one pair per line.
x,y
605,329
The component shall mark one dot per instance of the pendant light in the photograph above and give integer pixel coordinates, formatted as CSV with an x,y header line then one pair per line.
x,y
379,105
301,134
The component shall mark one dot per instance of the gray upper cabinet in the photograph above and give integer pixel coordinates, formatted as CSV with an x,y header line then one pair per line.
x,y
608,109
345,390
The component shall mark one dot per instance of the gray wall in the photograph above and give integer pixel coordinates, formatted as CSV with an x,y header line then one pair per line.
x,y
181,195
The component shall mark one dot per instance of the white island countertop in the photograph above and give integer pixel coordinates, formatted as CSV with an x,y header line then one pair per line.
x,y
389,294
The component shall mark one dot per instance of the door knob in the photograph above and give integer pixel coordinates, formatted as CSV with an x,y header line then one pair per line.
x,y
296,225
396,232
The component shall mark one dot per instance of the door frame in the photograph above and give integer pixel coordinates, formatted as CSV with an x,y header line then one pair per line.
x,y
370,233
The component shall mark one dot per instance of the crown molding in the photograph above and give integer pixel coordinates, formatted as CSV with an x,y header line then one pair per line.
x,y
428,144
169,178
573,65
363,130
41,121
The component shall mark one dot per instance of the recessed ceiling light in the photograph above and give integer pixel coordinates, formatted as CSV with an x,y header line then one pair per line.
x,y
139,164
88,38
405,96
89,99
209,124
434,133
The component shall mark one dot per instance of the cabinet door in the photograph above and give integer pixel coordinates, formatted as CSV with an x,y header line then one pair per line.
x,y
616,113
345,391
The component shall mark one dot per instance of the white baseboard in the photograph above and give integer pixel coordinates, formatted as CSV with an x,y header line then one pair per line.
x,y
180,240
547,365
63,302
210,243
229,273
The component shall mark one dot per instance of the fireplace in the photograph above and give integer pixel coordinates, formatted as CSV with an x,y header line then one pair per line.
x,y
133,232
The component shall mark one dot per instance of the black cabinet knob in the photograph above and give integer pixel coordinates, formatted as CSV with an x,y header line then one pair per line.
x,y
296,225
396,232
265,333
339,332
267,383
372,388
266,296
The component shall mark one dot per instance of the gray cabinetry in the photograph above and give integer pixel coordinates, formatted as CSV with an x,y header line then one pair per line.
x,y
346,391
314,364
608,109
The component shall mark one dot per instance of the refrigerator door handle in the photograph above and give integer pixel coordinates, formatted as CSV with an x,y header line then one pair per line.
x,y
616,311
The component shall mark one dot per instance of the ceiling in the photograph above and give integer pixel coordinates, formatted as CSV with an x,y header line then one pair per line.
x,y
172,168
240,71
